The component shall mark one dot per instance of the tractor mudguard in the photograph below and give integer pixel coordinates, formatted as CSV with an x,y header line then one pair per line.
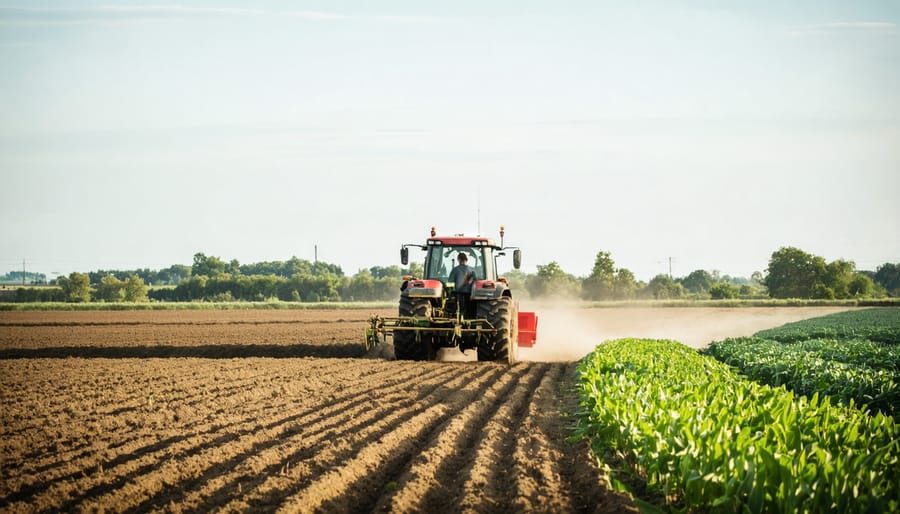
x,y
423,289
488,289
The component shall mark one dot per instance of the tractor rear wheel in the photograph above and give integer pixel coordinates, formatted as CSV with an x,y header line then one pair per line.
x,y
405,345
503,344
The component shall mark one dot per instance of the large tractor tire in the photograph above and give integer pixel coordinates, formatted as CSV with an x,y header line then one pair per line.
x,y
503,345
405,345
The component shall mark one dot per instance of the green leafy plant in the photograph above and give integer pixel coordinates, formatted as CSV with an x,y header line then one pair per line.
x,y
707,438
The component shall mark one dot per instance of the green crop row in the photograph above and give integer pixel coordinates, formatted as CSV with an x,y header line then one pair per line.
x,y
709,439
851,371
877,324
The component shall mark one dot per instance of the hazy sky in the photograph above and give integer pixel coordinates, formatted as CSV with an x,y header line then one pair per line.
x,y
136,134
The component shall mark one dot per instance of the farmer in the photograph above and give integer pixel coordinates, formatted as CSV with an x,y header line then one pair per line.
x,y
463,276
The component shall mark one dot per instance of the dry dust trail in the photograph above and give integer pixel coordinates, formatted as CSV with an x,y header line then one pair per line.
x,y
568,333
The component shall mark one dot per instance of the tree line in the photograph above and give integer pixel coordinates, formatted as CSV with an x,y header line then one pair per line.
x,y
791,273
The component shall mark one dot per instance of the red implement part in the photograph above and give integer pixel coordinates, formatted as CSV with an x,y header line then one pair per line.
x,y
527,329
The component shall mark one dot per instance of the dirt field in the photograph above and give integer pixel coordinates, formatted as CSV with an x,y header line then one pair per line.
x,y
251,410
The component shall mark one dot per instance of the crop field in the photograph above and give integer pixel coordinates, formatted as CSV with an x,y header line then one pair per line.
x,y
852,357
705,437
267,410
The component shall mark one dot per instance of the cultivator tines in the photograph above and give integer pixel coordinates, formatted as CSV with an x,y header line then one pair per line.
x,y
380,327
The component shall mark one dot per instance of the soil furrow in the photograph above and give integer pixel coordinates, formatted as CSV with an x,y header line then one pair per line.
x,y
320,447
489,483
363,477
223,400
132,461
415,487
554,475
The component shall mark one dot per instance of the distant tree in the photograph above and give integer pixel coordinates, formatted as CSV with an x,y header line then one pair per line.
x,y
192,288
551,281
386,272
134,289
295,266
888,276
793,273
76,287
110,289
624,285
663,287
361,287
325,268
757,277
516,280
599,285
861,286
723,291
416,269
207,266
699,281
16,278
838,275
172,275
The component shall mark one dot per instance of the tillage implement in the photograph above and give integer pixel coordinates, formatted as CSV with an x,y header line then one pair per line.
x,y
460,302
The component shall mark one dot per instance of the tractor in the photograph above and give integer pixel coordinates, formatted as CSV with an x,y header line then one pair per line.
x,y
432,315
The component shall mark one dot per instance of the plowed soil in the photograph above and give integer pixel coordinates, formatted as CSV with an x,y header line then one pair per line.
x,y
252,411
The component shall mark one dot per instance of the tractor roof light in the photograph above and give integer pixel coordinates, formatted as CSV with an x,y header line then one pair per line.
x,y
433,231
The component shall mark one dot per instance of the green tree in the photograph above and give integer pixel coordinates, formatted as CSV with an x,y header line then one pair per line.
x,y
134,289
76,287
173,275
207,266
361,287
551,281
110,289
838,275
662,287
723,291
861,286
600,284
416,269
233,267
295,266
793,273
386,272
624,286
888,276
699,281
516,280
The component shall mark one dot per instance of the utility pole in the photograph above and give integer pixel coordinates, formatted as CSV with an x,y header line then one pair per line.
x,y
670,268
315,257
23,272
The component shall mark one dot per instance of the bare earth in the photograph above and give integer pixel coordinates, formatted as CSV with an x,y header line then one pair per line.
x,y
253,410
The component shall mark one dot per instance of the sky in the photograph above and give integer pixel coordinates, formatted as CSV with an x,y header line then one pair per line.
x,y
703,133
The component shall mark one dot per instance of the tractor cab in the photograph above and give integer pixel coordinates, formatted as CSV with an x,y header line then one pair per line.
x,y
442,257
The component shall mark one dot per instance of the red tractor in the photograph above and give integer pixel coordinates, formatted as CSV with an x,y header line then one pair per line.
x,y
433,315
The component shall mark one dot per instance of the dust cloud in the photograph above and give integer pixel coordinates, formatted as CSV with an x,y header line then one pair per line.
x,y
568,331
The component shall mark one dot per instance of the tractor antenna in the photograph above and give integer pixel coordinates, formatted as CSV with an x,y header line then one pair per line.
x,y
478,213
